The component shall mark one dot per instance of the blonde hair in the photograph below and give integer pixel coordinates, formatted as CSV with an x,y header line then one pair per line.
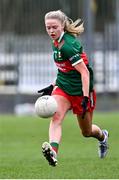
x,y
75,28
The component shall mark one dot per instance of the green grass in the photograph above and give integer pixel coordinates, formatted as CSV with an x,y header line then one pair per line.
x,y
20,149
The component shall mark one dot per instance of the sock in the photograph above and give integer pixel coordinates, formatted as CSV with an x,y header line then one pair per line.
x,y
54,146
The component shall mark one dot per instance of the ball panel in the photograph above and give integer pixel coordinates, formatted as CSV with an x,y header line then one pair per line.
x,y
45,106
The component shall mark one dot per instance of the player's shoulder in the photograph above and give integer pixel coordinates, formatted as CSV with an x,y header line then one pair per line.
x,y
71,39
68,37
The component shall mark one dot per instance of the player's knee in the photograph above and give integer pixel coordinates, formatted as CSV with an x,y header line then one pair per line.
x,y
57,118
86,133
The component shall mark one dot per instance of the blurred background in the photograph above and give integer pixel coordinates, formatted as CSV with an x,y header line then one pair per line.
x,y
26,62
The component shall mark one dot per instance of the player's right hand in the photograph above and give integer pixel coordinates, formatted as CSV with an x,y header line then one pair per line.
x,y
46,91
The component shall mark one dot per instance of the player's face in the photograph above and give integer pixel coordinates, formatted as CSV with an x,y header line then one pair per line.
x,y
54,28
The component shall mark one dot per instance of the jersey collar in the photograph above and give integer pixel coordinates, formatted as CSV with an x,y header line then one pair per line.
x,y
61,36
56,42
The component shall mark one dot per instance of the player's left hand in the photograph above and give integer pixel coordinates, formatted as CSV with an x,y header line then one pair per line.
x,y
84,105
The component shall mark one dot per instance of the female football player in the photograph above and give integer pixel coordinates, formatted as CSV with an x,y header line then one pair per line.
x,y
73,88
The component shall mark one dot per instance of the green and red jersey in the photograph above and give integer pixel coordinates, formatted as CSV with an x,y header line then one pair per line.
x,y
67,53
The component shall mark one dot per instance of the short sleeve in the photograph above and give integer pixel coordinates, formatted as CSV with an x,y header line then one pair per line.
x,y
72,50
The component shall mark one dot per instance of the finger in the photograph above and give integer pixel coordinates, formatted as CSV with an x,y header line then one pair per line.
x,y
83,114
40,93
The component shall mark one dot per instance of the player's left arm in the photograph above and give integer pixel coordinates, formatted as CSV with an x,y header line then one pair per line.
x,y
83,70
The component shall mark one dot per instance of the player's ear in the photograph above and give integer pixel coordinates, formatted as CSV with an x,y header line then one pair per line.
x,y
63,25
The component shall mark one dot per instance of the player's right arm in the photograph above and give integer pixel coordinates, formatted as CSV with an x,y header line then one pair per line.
x,y
46,91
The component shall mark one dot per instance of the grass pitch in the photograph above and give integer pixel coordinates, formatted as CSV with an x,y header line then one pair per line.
x,y
20,149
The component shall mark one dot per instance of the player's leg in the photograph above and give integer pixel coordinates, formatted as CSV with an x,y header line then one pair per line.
x,y
50,149
91,130
55,129
87,128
